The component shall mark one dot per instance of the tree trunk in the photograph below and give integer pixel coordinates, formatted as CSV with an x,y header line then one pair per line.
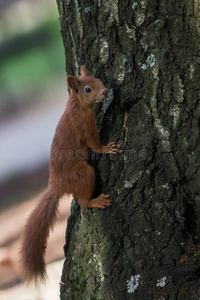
x,y
145,246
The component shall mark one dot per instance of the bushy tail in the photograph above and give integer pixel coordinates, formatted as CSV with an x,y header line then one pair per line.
x,y
35,237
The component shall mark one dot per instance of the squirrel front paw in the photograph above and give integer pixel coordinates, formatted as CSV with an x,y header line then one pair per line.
x,y
111,148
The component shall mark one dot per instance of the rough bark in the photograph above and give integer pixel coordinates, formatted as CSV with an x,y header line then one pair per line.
x,y
145,246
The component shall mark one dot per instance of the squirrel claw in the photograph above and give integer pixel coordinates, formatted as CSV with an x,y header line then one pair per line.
x,y
112,148
102,201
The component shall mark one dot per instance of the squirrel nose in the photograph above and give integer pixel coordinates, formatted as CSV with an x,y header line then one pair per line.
x,y
104,92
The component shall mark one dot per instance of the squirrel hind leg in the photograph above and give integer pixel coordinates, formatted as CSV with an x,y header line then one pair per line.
x,y
84,179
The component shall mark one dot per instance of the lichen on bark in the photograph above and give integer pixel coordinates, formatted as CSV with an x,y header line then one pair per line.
x,y
145,246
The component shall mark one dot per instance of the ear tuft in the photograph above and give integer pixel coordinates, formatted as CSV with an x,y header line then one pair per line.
x,y
84,71
72,83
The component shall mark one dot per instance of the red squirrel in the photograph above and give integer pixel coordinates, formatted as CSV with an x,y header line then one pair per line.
x,y
69,171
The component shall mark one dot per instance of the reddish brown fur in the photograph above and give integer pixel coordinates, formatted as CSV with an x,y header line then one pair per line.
x,y
69,171
36,232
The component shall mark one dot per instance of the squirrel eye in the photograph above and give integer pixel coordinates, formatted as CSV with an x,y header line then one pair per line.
x,y
88,90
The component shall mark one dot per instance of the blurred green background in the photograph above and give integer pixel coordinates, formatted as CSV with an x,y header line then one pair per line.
x,y
31,51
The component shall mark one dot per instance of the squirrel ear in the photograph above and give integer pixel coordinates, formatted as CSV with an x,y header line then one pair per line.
x,y
84,71
72,83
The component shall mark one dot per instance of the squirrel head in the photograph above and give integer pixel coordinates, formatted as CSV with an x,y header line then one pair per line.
x,y
88,89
